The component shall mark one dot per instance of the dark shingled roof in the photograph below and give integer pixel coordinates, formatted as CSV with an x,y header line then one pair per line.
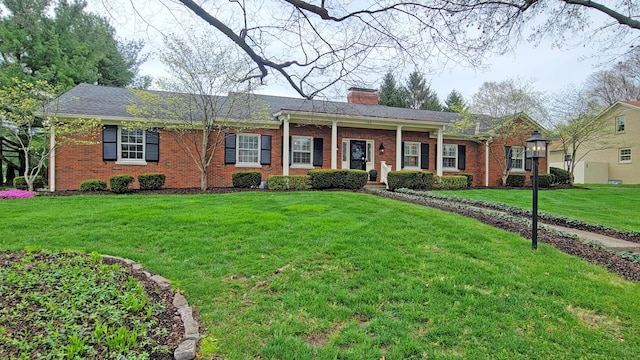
x,y
103,101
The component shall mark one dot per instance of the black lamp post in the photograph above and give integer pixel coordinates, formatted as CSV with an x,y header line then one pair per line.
x,y
536,149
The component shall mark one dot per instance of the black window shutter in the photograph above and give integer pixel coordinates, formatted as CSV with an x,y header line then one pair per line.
x,y
317,151
462,157
507,151
527,164
152,145
402,156
290,151
229,148
265,149
424,156
109,143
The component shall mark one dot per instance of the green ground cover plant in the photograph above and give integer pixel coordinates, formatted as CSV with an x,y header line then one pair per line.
x,y
315,275
606,206
73,306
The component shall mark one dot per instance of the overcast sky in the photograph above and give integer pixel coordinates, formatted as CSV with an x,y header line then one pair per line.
x,y
550,69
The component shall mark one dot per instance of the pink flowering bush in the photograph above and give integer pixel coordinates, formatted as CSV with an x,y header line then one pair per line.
x,y
16,194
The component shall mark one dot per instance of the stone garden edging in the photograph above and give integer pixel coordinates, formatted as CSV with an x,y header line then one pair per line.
x,y
187,348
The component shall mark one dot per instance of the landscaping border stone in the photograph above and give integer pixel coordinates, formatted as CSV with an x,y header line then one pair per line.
x,y
186,350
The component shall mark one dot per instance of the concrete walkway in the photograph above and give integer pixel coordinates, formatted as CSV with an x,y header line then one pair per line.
x,y
606,241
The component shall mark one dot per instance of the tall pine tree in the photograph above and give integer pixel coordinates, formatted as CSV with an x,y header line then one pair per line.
x,y
64,49
455,102
391,94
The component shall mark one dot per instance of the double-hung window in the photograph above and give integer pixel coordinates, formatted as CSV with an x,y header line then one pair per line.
x,y
412,154
625,155
301,150
517,158
449,156
620,123
248,149
131,144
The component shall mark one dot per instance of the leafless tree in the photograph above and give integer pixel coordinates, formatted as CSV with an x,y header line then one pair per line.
x,y
196,109
621,82
316,44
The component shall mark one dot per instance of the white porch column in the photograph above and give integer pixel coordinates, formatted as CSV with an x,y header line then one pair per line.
x,y
399,153
52,160
486,163
285,146
439,154
334,145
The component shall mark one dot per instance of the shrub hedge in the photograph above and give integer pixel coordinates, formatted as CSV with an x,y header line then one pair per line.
x,y
516,180
292,182
151,181
415,180
451,182
119,184
469,179
21,184
544,180
338,179
561,176
246,179
93,185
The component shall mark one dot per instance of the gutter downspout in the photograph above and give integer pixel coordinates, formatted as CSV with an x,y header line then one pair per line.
x,y
52,160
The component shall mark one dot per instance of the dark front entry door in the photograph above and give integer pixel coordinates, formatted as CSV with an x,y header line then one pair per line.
x,y
358,155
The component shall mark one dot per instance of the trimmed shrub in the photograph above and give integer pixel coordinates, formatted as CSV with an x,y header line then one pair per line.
x,y
544,180
246,179
93,185
293,182
151,181
338,179
516,180
469,179
21,184
561,176
119,184
451,182
415,180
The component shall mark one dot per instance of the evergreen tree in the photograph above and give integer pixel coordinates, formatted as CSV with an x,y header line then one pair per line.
x,y
65,49
455,102
391,94
420,94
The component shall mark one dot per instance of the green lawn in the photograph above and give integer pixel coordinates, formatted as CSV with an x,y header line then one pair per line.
x,y
361,277
614,207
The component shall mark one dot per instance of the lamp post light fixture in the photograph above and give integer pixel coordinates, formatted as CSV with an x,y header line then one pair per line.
x,y
536,149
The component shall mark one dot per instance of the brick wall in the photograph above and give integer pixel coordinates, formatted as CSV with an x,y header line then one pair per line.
x,y
75,163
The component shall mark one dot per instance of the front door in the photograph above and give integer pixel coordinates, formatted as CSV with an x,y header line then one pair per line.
x,y
358,159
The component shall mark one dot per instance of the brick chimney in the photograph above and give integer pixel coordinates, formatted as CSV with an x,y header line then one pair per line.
x,y
362,96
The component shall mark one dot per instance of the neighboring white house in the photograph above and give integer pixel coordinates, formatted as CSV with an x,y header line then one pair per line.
x,y
610,157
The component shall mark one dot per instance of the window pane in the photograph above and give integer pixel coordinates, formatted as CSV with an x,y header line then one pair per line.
x,y
248,148
449,156
131,143
625,154
517,157
301,150
620,123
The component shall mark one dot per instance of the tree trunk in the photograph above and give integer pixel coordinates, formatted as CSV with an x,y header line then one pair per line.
x,y
203,179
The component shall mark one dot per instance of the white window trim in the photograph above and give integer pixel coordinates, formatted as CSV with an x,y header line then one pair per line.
x,y
522,157
302,165
122,161
455,167
247,164
417,144
624,124
620,161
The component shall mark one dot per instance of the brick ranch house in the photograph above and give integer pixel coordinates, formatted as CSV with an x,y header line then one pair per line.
x,y
357,134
